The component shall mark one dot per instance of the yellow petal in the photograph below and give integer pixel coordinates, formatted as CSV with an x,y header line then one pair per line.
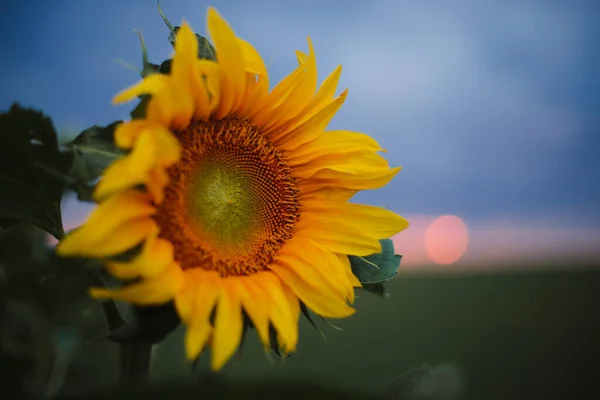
x,y
322,269
337,240
117,177
210,76
332,142
321,99
158,179
186,53
127,133
326,304
309,190
196,336
255,304
207,94
197,298
125,237
156,291
228,325
168,149
252,59
294,303
328,179
326,91
351,277
335,179
155,257
185,301
104,221
154,149
310,127
143,157
195,304
190,72
256,90
231,63
172,107
150,85
120,208
300,95
356,163
302,57
369,220
280,310
131,170
261,114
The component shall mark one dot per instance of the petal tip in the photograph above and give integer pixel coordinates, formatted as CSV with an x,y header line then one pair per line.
x,y
63,249
100,293
213,14
120,99
217,363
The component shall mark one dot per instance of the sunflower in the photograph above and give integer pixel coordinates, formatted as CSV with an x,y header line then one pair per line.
x,y
237,197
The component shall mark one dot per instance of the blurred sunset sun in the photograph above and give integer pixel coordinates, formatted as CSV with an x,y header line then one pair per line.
x,y
446,239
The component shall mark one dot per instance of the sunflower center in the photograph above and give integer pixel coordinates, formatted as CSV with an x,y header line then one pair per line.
x,y
231,202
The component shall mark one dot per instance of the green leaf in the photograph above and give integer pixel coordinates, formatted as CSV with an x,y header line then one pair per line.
x,y
377,268
28,149
19,126
375,288
94,150
20,202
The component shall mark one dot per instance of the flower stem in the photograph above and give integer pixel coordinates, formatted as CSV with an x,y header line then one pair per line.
x,y
135,362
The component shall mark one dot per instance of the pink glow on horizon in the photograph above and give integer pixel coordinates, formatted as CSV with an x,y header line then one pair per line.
x,y
411,241
496,241
503,242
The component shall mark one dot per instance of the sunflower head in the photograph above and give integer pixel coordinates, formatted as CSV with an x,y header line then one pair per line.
x,y
238,197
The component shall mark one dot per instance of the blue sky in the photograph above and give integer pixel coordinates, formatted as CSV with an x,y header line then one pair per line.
x,y
491,107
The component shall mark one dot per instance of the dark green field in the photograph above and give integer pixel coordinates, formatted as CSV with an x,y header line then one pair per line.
x,y
514,335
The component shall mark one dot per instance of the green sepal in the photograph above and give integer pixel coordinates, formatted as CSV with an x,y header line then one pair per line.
x,y
139,112
309,318
206,50
376,269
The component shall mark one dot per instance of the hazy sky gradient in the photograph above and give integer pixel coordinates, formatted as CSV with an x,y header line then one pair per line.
x,y
491,107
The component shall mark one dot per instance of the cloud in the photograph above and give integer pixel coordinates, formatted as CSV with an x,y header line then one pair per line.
x,y
430,84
